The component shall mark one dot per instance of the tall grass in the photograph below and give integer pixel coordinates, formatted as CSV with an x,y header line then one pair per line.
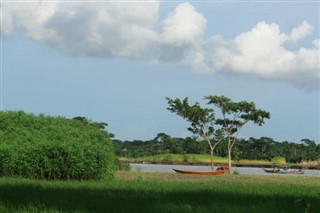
x,y
45,147
162,192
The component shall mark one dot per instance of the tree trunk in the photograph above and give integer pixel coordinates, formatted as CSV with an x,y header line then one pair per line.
x,y
211,149
229,160
212,163
229,154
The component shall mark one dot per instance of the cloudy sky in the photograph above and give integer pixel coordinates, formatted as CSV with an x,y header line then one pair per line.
x,y
116,61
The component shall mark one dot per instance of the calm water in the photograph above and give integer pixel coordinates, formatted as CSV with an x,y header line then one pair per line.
x,y
242,170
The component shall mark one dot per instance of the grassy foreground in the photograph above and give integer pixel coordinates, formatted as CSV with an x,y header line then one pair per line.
x,y
163,192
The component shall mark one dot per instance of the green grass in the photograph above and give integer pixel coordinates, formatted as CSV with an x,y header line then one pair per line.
x,y
162,192
175,159
196,159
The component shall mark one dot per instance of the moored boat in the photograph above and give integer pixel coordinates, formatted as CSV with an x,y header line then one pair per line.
x,y
283,171
218,171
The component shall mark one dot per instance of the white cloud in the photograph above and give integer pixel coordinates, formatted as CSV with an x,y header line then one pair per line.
x,y
261,52
77,28
180,33
183,26
301,31
29,17
6,26
117,29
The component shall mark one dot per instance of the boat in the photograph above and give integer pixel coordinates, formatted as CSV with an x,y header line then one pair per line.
x,y
284,171
218,171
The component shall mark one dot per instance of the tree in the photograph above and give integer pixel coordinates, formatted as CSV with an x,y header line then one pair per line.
x,y
201,119
234,116
311,149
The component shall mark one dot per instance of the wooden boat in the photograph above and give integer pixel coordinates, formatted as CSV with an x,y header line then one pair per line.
x,y
218,171
284,171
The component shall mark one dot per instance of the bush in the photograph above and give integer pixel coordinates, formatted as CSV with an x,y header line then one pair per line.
x,y
45,147
123,166
279,161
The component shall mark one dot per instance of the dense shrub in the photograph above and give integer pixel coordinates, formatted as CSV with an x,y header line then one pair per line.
x,y
46,147
279,161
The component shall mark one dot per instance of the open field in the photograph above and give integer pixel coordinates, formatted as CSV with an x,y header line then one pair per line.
x,y
163,192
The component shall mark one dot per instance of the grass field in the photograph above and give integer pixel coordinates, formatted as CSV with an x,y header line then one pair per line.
x,y
163,192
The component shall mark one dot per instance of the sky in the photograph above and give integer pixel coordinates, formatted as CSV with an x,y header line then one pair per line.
x,y
116,61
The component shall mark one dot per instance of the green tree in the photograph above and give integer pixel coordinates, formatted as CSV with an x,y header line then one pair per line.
x,y
202,121
311,149
234,116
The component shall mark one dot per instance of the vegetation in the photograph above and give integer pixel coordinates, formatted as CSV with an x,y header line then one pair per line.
x,y
252,149
46,147
204,123
201,119
195,159
189,159
163,192
234,116
279,161
56,148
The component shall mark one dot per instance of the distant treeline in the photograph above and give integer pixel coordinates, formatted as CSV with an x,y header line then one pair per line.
x,y
263,148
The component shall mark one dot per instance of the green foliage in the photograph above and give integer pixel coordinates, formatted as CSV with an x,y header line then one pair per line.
x,y
201,119
262,149
236,172
279,161
234,116
239,112
46,147
204,123
122,166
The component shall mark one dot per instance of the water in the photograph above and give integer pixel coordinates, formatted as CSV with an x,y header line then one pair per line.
x,y
241,170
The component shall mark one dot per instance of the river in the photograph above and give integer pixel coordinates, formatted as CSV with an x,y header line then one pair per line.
x,y
241,170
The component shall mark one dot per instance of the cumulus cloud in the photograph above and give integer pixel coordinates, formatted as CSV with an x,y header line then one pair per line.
x,y
78,28
180,33
183,26
301,31
261,52
133,30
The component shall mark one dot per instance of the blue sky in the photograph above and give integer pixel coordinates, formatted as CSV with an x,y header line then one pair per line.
x,y
116,62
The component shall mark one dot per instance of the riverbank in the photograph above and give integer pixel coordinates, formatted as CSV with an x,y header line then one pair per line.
x,y
161,168
204,160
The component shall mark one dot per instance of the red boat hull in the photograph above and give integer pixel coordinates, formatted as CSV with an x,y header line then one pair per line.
x,y
196,172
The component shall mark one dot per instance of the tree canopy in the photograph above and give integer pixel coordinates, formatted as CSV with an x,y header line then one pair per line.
x,y
202,121
234,116
263,148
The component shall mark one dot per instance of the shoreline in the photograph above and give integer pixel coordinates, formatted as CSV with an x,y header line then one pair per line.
x,y
235,164
161,168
